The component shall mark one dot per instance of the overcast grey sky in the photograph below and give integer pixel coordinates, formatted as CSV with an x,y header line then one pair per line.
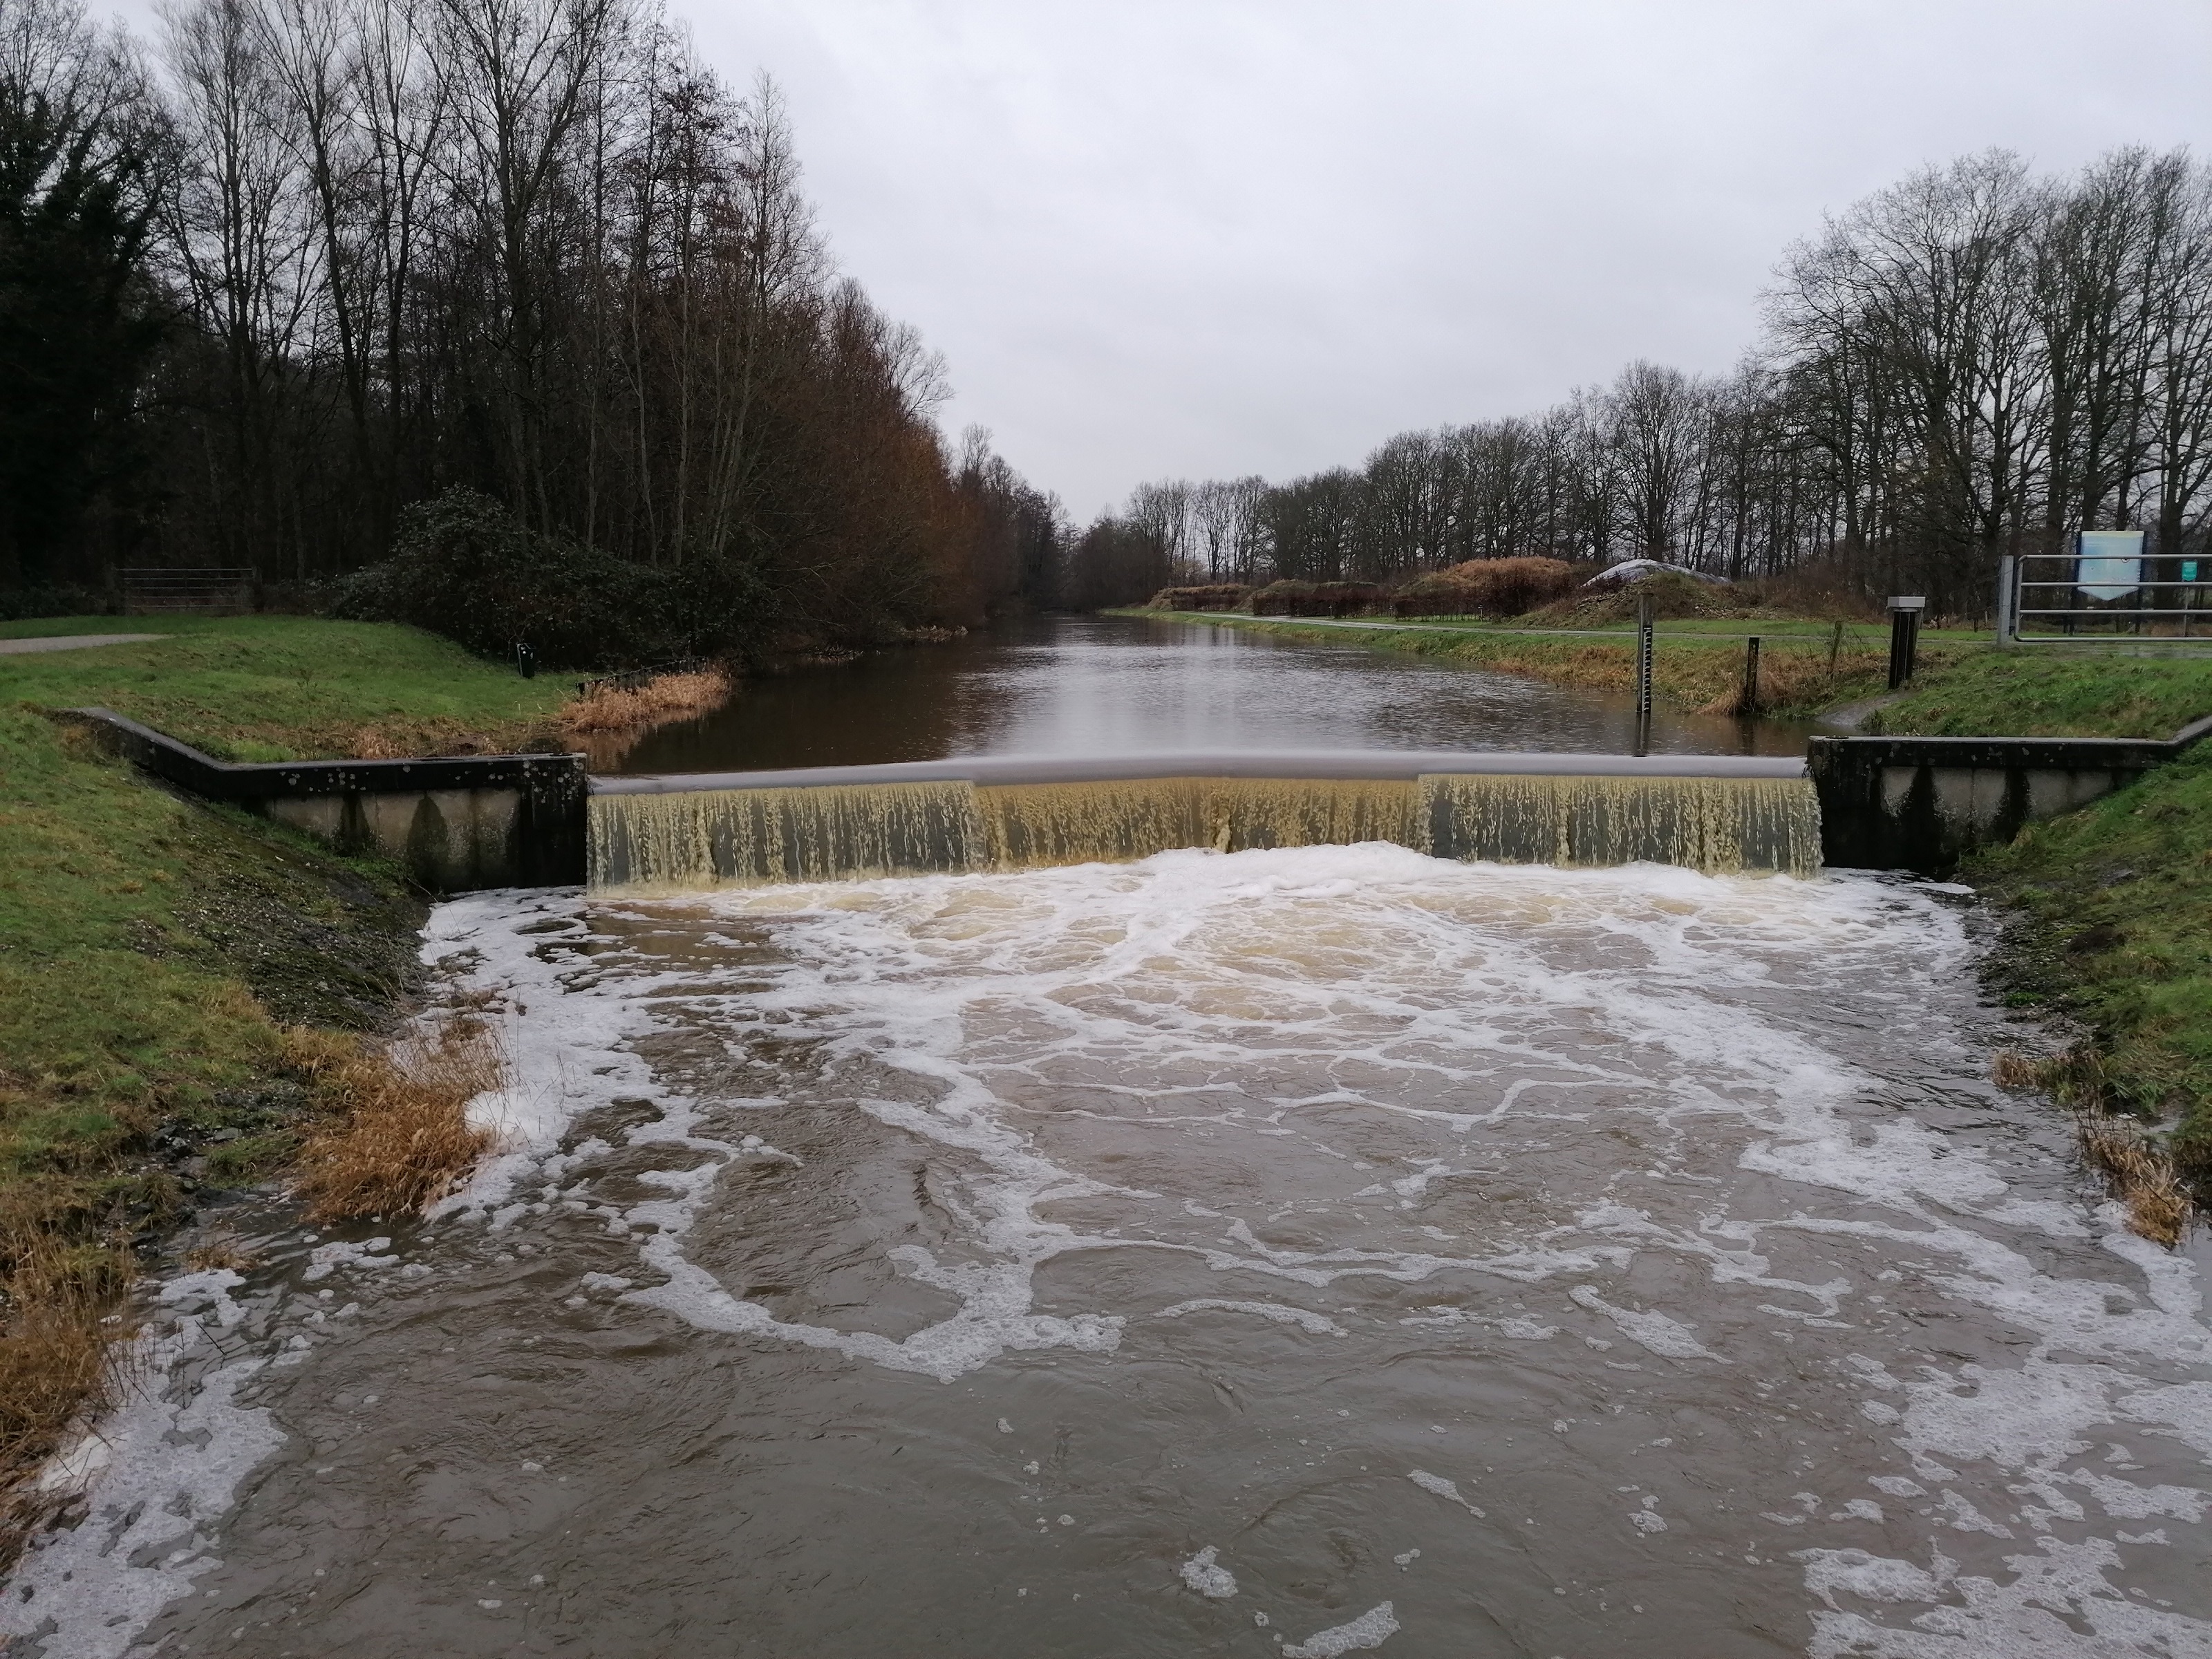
x,y
1210,237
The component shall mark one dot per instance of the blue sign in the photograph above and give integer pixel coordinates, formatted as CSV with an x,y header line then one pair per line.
x,y
2189,571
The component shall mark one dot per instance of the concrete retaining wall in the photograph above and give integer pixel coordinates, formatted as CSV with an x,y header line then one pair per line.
x,y
1923,804
1919,804
456,824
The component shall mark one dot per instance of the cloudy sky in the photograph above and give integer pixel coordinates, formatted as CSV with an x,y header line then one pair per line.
x,y
1202,238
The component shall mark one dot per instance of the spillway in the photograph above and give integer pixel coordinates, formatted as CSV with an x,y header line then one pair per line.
x,y
1718,815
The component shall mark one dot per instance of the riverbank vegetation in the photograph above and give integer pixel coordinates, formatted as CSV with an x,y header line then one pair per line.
x,y
152,953
513,300
1800,673
292,687
191,998
2111,927
1974,362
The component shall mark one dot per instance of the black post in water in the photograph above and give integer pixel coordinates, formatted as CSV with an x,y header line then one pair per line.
x,y
1747,704
1643,674
1904,611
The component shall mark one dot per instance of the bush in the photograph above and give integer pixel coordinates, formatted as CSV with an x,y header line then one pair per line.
x,y
1673,597
1486,587
1297,598
1211,596
21,604
462,566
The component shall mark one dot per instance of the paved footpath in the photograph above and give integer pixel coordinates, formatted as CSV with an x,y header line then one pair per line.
x,y
70,642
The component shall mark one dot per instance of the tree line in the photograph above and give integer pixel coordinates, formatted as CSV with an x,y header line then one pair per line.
x,y
1975,361
271,282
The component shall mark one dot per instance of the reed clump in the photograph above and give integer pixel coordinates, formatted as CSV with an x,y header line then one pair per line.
x,y
2140,1175
395,1136
2139,1172
58,1302
61,1354
664,697
1792,674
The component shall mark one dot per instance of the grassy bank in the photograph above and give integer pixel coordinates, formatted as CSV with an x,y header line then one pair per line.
x,y
1697,665
181,988
1964,686
2034,691
289,687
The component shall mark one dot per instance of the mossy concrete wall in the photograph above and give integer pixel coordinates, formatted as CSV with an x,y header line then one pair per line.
x,y
456,826
1924,804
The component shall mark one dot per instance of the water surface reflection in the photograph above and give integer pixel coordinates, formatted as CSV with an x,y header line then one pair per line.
x,y
1101,685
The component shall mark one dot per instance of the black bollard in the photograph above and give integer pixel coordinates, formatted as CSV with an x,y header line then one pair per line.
x,y
525,660
1904,611
1747,704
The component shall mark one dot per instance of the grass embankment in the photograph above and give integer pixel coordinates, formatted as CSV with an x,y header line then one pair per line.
x,y
2044,691
1697,665
2108,909
183,990
291,688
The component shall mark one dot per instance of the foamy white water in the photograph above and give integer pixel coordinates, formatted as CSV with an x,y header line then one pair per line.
x,y
1311,1250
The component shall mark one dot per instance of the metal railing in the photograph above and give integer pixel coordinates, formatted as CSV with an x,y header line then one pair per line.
x,y
2091,595
212,590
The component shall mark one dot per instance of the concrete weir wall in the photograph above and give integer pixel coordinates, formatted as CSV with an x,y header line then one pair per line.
x,y
1923,804
456,824
1715,813
1917,804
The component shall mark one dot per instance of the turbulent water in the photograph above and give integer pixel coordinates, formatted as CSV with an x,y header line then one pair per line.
x,y
1299,1252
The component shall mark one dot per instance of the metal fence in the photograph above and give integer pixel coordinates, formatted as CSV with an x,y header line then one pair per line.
x,y
2106,589
215,591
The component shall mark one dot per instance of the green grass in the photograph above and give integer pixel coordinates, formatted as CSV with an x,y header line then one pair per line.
x,y
153,952
2039,691
1795,677
2113,910
285,687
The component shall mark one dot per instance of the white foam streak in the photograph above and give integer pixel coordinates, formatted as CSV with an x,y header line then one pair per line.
x,y
158,1473
1270,1009
1370,1630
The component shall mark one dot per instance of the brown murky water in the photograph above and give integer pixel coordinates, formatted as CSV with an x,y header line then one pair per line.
x,y
1299,1252
1124,685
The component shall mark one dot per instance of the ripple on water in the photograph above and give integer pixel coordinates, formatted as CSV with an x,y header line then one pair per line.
x,y
1333,1248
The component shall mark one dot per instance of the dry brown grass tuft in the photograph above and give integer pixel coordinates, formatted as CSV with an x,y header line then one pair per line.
x,y
2142,1177
53,1351
2140,1173
218,1253
397,1137
58,1368
1791,675
666,697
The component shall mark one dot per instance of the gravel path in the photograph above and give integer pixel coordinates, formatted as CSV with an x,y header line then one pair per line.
x,y
69,642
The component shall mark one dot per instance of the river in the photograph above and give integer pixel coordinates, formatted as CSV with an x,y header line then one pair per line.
x,y
1128,685
1298,1252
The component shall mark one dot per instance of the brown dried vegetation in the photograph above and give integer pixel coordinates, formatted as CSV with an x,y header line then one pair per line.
x,y
397,1137
609,708
2140,1173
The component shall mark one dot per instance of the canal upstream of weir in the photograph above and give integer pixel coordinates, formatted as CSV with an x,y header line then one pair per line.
x,y
1296,1252
1129,685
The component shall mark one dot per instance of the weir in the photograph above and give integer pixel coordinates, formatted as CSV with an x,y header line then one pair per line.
x,y
1715,814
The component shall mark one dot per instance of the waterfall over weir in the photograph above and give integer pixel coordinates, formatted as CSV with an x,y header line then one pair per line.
x,y
1708,813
